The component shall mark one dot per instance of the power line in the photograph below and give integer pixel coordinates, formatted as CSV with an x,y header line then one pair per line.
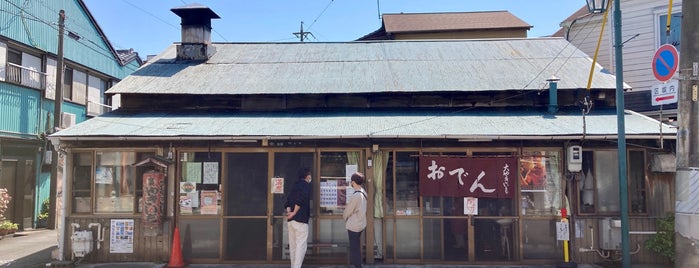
x,y
151,14
321,14
301,34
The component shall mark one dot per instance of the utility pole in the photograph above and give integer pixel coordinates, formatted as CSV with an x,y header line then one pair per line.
x,y
301,34
687,176
58,102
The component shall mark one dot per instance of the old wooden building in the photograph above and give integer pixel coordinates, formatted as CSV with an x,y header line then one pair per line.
x,y
471,149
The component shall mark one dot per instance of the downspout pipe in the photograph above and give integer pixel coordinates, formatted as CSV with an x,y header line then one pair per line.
x,y
553,94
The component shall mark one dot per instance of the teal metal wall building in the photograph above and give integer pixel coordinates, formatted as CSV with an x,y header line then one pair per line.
x,y
28,67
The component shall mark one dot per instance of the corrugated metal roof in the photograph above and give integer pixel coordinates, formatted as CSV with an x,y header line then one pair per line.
x,y
369,67
450,21
496,125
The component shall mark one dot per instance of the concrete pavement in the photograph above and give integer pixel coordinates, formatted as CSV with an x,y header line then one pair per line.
x,y
28,249
32,249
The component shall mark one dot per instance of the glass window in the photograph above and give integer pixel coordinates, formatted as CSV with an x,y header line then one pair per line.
x,y
96,103
335,171
598,185
406,185
539,239
117,187
200,180
540,183
82,182
68,84
637,181
200,238
675,27
79,87
408,238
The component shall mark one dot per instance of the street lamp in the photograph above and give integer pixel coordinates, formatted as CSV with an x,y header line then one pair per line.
x,y
598,6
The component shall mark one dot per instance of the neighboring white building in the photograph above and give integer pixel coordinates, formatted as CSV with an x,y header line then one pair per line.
x,y
643,31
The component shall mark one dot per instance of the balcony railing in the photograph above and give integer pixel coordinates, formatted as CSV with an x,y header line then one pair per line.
x,y
95,109
21,75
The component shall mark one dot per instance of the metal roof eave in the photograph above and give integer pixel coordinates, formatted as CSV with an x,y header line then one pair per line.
x,y
479,138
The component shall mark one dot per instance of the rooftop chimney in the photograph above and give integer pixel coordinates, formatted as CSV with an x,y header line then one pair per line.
x,y
196,32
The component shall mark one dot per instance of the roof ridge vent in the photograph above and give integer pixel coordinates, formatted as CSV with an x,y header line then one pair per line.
x,y
196,32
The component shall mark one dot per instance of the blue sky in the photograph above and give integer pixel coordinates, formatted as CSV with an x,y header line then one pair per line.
x,y
149,26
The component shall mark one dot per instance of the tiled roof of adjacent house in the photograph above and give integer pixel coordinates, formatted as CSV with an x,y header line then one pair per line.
x,y
451,21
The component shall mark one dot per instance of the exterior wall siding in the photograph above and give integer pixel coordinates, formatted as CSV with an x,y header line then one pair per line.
x,y
30,119
145,248
89,50
638,18
23,104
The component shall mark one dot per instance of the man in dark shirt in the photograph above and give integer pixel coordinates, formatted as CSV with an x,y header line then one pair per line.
x,y
298,212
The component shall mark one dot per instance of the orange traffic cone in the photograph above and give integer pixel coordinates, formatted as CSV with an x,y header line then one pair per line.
x,y
176,251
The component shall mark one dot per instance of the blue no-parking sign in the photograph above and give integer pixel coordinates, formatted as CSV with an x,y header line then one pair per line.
x,y
665,62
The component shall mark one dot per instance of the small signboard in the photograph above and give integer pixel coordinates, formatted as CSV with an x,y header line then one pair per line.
x,y
665,93
470,206
665,62
562,232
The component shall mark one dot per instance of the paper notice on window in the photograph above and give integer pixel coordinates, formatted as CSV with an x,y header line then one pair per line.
x,y
210,172
328,193
209,204
193,172
104,175
470,206
277,185
349,170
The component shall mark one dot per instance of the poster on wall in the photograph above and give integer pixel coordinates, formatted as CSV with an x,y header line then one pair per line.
x,y
121,236
209,202
532,173
210,172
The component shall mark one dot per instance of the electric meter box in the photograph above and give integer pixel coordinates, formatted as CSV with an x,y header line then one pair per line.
x,y
575,158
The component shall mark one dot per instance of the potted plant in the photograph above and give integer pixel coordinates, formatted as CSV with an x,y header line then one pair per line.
x,y
6,227
43,216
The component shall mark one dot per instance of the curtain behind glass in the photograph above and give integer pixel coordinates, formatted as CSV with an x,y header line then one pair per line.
x,y
352,158
380,159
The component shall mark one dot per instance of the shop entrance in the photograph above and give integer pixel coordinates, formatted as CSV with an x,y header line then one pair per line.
x,y
254,226
488,236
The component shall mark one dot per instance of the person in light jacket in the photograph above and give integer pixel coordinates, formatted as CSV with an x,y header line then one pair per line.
x,y
355,218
